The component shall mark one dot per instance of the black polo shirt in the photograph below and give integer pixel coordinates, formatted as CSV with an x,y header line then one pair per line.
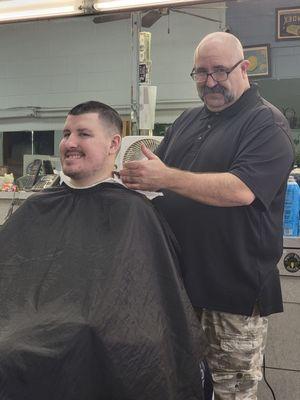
x,y
229,254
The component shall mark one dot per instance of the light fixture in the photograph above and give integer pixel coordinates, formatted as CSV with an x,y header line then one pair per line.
x,y
119,5
16,10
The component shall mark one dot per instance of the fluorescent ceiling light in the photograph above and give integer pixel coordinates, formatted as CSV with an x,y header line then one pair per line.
x,y
24,3
115,5
45,12
24,10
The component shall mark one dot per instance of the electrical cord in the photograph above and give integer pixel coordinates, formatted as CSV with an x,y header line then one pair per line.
x,y
15,202
265,379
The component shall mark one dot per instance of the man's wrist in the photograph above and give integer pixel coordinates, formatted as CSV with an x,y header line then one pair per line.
x,y
169,180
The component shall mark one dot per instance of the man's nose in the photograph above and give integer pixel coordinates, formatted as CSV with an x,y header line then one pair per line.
x,y
72,140
210,82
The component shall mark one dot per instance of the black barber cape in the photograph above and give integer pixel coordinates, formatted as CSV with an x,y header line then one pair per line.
x,y
92,306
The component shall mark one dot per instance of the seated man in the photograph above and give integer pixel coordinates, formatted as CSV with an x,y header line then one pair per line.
x,y
92,306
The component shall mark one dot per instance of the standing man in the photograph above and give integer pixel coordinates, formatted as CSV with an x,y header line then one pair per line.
x,y
223,168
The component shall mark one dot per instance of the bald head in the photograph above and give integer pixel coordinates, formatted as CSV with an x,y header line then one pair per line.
x,y
219,57
223,40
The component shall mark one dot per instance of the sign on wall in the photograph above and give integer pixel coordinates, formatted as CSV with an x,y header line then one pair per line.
x,y
288,23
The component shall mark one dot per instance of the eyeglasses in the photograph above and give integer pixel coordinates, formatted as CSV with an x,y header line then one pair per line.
x,y
220,75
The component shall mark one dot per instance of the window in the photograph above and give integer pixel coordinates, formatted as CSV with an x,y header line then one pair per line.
x,y
16,144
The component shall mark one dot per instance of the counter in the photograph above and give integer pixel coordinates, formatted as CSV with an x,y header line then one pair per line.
x,y
7,199
282,351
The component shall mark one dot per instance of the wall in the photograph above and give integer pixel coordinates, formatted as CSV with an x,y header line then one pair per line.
x,y
58,63
1,153
52,63
254,23
55,64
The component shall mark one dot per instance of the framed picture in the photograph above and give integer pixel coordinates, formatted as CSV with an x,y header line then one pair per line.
x,y
259,58
288,23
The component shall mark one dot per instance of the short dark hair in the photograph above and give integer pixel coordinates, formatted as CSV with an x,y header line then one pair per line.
x,y
105,112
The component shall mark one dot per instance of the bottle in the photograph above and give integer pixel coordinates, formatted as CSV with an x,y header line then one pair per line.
x,y
296,174
291,208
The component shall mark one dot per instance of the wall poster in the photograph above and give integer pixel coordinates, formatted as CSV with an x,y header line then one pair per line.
x,y
259,57
288,23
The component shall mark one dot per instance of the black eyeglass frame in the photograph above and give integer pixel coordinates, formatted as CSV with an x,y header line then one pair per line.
x,y
227,72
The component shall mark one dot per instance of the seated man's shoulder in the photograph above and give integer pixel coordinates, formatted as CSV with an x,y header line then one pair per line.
x,y
127,196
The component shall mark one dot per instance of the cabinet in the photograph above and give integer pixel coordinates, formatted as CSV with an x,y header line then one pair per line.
x,y
282,351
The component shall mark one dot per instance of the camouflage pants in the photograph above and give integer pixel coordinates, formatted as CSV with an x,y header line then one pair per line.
x,y
235,352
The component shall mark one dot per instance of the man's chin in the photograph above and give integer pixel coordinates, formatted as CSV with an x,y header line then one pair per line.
x,y
71,173
215,103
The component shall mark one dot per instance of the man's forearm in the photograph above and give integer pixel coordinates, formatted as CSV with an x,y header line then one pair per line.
x,y
217,189
221,189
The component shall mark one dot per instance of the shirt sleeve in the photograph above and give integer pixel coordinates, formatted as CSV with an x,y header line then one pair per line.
x,y
265,156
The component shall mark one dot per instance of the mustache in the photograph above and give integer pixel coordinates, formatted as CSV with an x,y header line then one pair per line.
x,y
215,89
203,91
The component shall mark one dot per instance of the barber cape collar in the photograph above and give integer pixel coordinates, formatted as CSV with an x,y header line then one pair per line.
x,y
67,180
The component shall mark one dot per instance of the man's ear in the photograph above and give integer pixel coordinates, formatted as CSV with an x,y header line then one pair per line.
x,y
245,65
115,143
